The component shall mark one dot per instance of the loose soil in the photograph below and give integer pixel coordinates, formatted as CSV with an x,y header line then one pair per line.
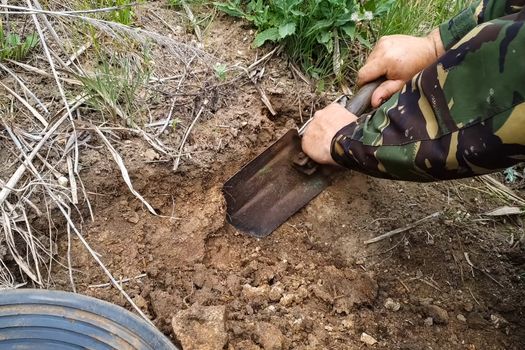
x,y
450,283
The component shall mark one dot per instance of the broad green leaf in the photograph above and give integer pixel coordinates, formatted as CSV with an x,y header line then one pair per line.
x,y
230,9
297,13
286,29
364,41
271,34
322,24
324,37
349,30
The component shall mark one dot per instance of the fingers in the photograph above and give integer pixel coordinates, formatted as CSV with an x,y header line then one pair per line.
x,y
372,70
385,91
317,138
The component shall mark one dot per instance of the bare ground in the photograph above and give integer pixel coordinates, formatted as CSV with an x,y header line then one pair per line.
x,y
450,283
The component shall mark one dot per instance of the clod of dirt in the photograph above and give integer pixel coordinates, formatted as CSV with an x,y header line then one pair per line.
x,y
438,314
269,336
392,305
498,321
247,345
287,299
257,295
367,339
476,321
351,288
201,327
151,155
276,292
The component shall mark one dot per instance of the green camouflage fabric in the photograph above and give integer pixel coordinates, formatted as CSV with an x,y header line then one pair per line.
x,y
462,116
479,12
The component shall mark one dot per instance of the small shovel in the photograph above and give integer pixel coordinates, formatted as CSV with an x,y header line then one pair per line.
x,y
281,180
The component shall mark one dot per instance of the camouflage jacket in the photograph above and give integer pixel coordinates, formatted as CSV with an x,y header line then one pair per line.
x,y
462,116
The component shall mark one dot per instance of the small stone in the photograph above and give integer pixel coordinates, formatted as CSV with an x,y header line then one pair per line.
x,y
392,305
461,318
367,339
269,336
468,307
498,321
63,181
133,218
438,314
329,328
201,327
428,321
276,292
140,302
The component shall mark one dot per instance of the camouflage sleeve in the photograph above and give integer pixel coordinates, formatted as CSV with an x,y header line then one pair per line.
x,y
480,11
460,117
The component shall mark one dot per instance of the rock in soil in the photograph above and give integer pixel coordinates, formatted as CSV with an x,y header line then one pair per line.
x,y
269,336
201,327
461,318
368,339
392,305
438,314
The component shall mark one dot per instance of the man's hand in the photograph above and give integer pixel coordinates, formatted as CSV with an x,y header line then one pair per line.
x,y
318,136
399,58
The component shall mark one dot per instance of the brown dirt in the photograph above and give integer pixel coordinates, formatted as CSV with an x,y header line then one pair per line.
x,y
312,284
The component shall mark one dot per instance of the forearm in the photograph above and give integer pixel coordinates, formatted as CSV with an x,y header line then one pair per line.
x,y
460,117
478,12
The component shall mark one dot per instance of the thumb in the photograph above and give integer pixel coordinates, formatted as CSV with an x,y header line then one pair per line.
x,y
385,91
370,72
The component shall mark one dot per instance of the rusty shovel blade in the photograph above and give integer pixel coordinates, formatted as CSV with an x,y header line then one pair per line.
x,y
270,189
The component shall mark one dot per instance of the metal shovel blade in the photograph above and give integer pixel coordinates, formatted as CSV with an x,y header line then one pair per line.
x,y
269,189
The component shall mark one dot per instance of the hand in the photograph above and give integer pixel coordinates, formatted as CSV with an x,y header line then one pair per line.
x,y
399,58
317,139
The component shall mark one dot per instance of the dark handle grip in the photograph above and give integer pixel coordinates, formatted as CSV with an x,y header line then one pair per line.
x,y
360,102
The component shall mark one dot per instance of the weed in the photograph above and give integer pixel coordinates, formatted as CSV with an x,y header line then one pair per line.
x,y
417,17
220,71
124,15
15,47
115,84
308,28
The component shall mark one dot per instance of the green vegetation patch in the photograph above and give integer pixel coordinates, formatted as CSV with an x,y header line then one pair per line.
x,y
311,31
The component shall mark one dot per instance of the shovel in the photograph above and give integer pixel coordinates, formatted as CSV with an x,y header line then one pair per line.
x,y
281,180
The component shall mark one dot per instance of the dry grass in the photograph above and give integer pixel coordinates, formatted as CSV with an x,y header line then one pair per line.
x,y
94,73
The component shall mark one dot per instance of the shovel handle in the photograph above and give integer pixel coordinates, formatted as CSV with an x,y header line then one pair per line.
x,y
360,102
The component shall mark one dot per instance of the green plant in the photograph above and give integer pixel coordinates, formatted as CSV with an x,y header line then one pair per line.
x,y
220,71
14,47
116,83
124,15
309,29
418,17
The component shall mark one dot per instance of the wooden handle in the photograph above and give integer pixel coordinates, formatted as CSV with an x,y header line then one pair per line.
x,y
360,102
